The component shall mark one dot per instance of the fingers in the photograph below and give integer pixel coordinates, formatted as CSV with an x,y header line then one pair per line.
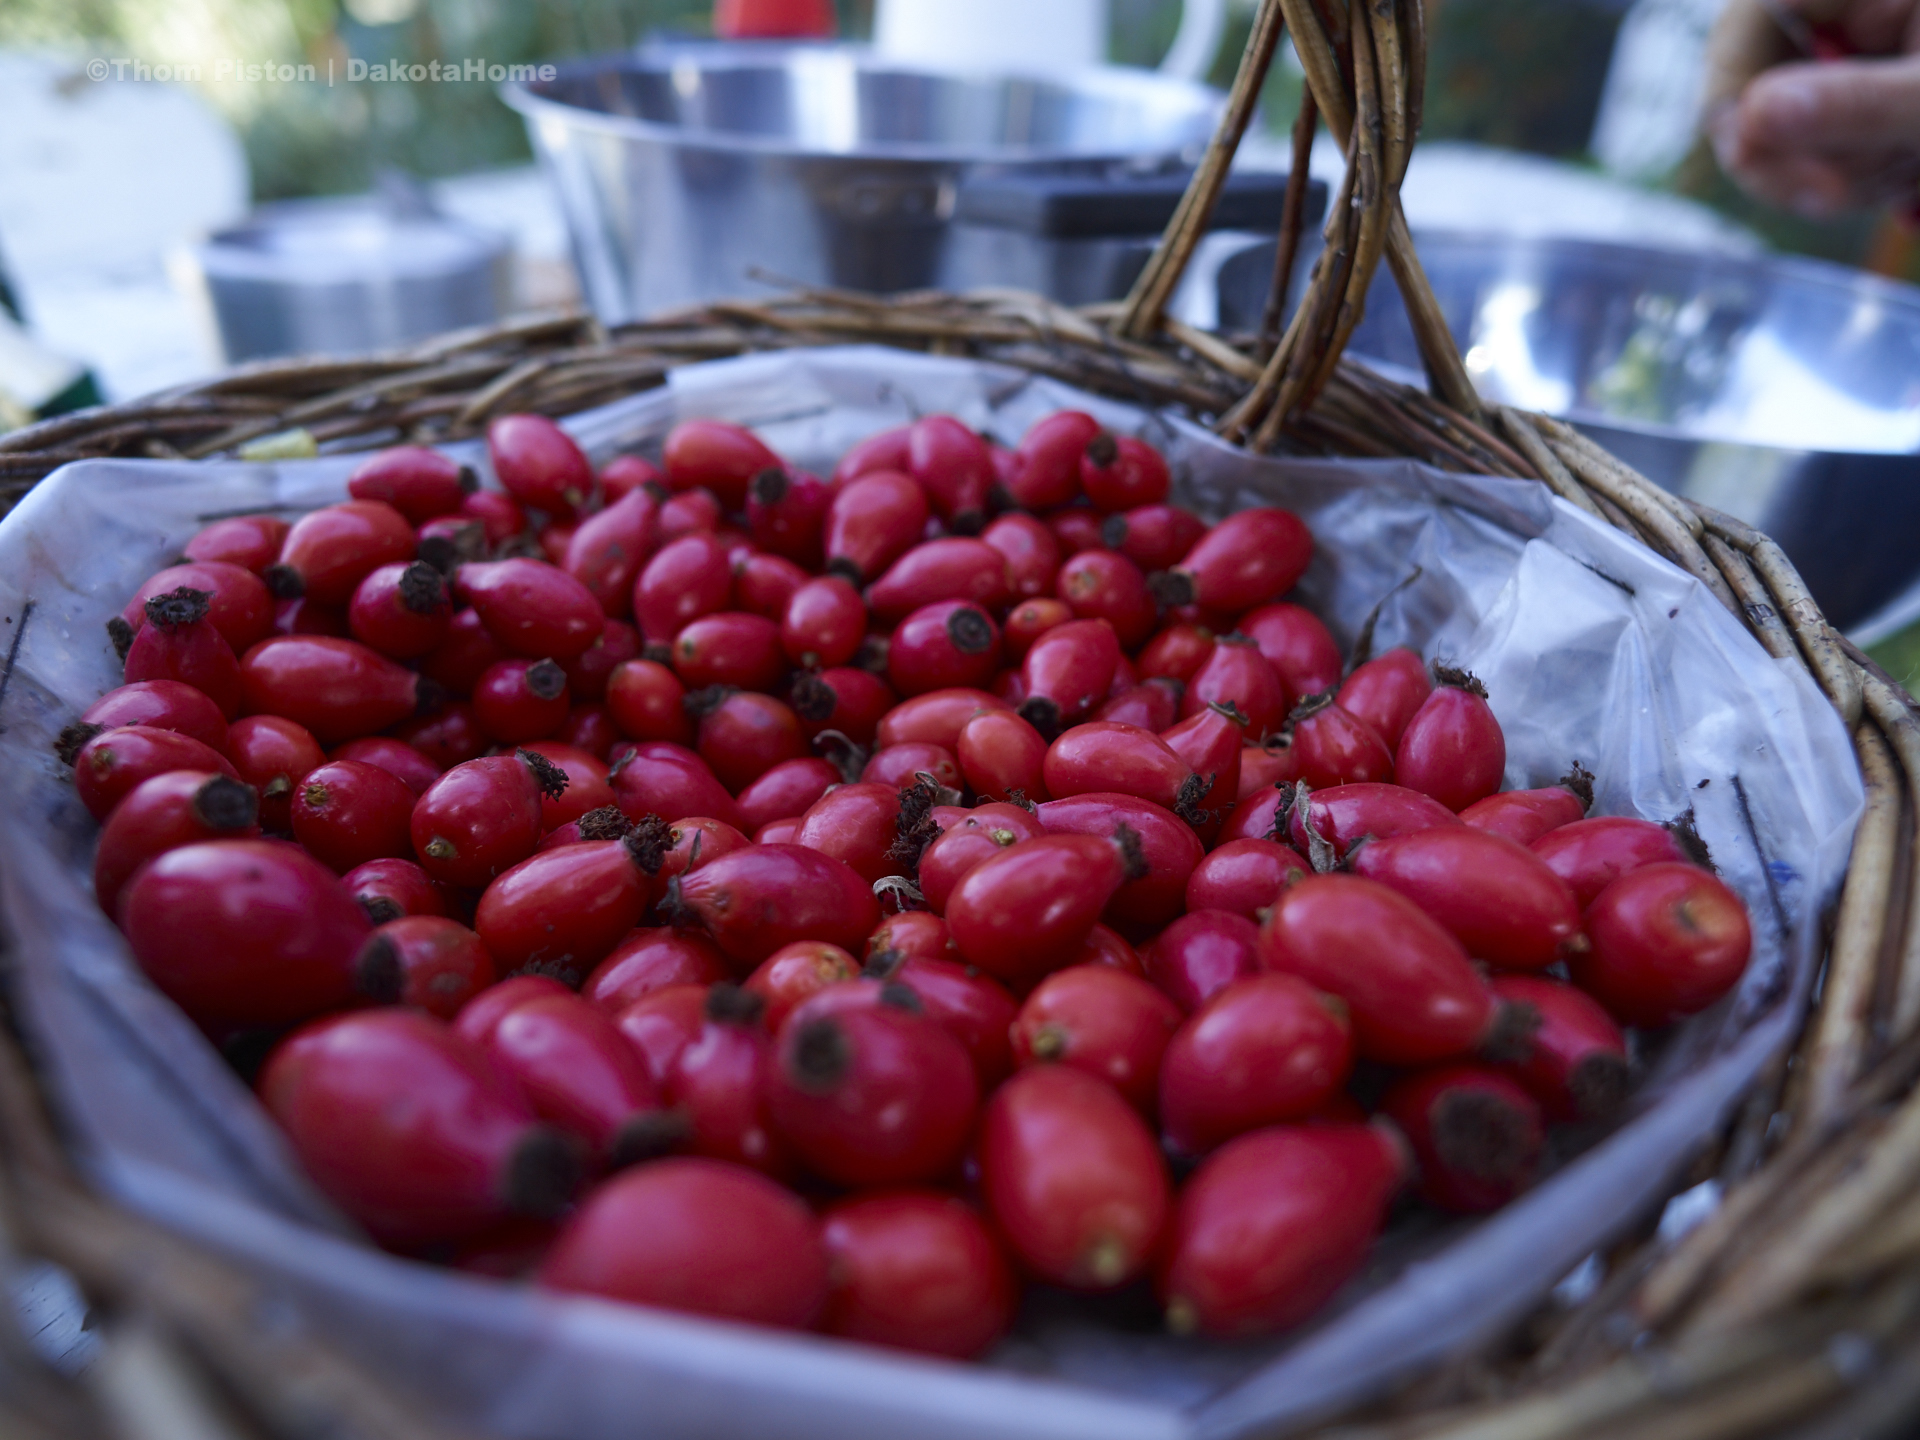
x,y
1745,41
1833,108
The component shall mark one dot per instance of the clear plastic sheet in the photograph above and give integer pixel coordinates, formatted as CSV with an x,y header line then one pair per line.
x,y
1591,649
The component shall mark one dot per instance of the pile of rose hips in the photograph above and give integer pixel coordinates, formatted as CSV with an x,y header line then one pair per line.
x,y
630,844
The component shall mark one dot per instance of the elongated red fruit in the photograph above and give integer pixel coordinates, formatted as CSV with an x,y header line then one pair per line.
x,y
272,936
581,1074
539,465
1668,940
1025,911
418,482
754,901
873,521
1341,814
718,455
1591,854
179,808
532,609
1274,1224
338,689
696,1235
427,962
1249,558
1102,755
411,1130
1476,1135
1408,984
916,1270
1333,746
1386,691
954,568
1523,816
1113,1025
563,911
1452,748
1243,877
1073,1178
1496,897
180,643
1151,897
1202,953
157,704
1068,671
1577,1065
1296,644
607,551
482,817
111,764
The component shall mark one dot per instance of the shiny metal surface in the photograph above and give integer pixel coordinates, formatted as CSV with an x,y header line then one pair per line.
x,y
685,169
348,276
1785,392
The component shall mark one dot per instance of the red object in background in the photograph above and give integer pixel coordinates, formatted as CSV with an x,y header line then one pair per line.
x,y
774,19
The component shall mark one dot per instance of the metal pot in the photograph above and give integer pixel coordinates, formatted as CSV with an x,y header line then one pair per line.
x,y
1785,392
686,170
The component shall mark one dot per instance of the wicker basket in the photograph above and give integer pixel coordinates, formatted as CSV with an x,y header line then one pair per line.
x,y
1793,1309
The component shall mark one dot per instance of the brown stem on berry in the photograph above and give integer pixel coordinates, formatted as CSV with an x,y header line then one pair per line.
x,y
609,822
185,606
224,803
1510,1036
1580,781
377,971
970,631
546,680
1458,679
422,590
73,739
543,1174
730,1005
821,1055
648,1135
551,779
284,582
1687,836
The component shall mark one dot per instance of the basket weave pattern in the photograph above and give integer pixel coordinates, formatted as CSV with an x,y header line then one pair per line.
x,y
1793,1309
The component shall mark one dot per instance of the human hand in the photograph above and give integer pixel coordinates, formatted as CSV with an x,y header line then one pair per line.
x,y
1818,137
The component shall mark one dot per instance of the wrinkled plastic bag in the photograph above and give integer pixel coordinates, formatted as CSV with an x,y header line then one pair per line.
x,y
1591,648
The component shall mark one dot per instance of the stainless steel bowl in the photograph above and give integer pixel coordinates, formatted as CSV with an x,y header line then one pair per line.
x,y
685,169
1785,392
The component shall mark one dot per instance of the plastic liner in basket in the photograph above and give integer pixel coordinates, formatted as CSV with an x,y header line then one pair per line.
x,y
1591,648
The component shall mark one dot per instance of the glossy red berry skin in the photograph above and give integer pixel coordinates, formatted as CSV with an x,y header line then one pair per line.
x,y
1167,843
1591,854
873,521
272,938
901,765
580,1073
648,960
521,700
1577,1065
1106,585
238,603
697,840
414,768
1497,897
532,609
672,788
973,1008
746,735
181,807
786,512
646,700
448,737
954,568
1235,673
1274,1224
1118,473
587,786
1050,457
1344,813
943,645
1178,650
1266,1049
1077,529
999,753
1249,558
873,1096
856,825
935,718
539,465
250,541
1476,1135
823,623
721,1082
1266,765
460,659
390,890
785,792
1031,552
187,650
410,1129
348,812
765,584
1387,691
718,456
1155,536
1669,939
402,611
730,647
1243,877
425,962
1067,673
338,689
1027,622
1332,746
110,765
1202,953
1072,1177
847,700
498,514
333,550
915,1270
1113,1025
1102,755
420,483
477,820
608,550
886,450
690,512
685,579
1153,706
1409,987
1452,748
796,973
662,1023
944,863
1523,816
1024,912
698,1236
754,901
1298,646
954,467
563,911
159,705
